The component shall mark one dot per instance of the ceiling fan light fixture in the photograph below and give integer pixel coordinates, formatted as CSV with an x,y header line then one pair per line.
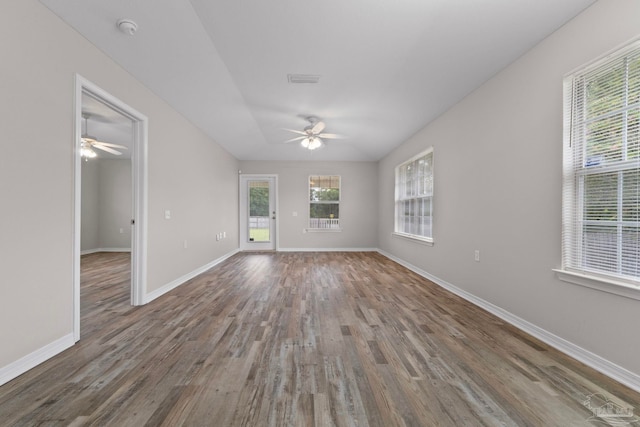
x,y
86,151
312,136
314,143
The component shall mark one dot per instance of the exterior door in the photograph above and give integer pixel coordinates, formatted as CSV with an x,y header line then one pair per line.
x,y
258,212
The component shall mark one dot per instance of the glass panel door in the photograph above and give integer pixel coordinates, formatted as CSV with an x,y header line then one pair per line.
x,y
257,212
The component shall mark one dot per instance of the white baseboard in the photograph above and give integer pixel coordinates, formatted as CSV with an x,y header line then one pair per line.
x,y
600,364
327,250
93,251
22,365
180,280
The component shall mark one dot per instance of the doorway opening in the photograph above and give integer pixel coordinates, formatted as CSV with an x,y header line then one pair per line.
x,y
258,219
89,99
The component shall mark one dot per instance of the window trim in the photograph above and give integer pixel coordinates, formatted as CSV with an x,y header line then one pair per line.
x,y
584,277
429,241
310,229
603,284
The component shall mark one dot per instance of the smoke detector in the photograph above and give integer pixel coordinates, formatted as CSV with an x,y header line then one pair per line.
x,y
127,26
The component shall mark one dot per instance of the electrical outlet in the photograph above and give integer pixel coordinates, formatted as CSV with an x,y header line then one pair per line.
x,y
167,214
224,234
476,255
295,213
122,231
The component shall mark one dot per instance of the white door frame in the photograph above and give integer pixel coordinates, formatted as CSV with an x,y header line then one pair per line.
x,y
243,209
139,178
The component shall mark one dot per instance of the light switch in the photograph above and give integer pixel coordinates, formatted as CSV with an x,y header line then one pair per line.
x,y
167,214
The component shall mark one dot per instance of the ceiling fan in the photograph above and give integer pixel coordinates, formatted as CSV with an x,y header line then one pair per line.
x,y
312,134
88,143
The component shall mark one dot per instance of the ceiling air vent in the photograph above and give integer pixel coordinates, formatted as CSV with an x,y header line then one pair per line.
x,y
303,78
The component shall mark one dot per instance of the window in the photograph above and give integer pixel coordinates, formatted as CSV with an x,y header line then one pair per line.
x,y
259,218
601,188
414,197
324,202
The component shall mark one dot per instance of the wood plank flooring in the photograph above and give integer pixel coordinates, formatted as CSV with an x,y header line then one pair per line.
x,y
300,339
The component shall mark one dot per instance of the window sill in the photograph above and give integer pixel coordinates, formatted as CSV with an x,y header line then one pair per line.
x,y
599,283
420,240
323,230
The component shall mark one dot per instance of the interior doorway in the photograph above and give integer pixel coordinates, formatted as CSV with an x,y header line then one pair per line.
x,y
258,218
106,190
88,96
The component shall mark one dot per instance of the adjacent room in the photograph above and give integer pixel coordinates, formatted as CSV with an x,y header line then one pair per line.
x,y
333,213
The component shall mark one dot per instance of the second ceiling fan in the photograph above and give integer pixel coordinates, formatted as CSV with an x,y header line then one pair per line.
x,y
88,143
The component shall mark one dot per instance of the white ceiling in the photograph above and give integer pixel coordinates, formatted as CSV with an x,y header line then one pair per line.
x,y
387,67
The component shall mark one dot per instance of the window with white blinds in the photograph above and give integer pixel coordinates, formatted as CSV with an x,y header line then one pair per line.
x,y
324,202
601,188
414,197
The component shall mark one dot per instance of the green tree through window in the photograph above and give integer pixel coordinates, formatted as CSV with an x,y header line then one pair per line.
x,y
324,198
259,201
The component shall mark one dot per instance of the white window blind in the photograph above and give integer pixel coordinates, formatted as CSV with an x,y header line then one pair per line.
x,y
601,188
414,196
324,202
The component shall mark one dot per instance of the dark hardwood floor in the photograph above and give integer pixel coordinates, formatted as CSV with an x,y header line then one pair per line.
x,y
301,339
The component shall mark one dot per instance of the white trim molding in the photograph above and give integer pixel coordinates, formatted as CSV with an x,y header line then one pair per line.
x,y
600,364
428,241
180,280
328,250
598,283
31,360
93,251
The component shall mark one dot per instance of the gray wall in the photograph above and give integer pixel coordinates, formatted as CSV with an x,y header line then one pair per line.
x,y
90,214
358,205
106,204
115,203
198,182
498,176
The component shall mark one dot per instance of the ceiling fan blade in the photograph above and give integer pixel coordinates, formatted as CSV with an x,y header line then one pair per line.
x,y
108,144
330,136
296,131
107,149
317,128
298,138
88,139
